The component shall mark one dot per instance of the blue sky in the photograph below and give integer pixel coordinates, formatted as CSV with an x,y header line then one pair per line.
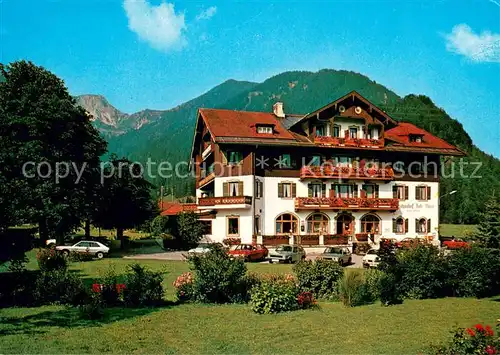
x,y
152,54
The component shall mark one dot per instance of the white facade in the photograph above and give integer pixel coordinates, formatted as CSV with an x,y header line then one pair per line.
x,y
259,217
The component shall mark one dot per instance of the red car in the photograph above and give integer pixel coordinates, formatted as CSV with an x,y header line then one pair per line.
x,y
250,252
410,242
455,244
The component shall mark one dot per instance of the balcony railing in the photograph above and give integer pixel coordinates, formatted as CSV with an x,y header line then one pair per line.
x,y
228,200
351,203
204,178
346,172
350,142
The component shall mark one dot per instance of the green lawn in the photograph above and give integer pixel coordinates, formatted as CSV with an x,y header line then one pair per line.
x,y
458,230
231,329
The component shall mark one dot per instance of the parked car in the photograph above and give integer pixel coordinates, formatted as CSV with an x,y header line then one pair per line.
x,y
94,248
203,248
250,252
103,240
342,255
456,244
371,259
410,242
287,254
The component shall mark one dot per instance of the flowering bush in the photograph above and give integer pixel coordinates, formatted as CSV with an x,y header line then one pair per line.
x,y
479,339
306,300
144,287
51,259
184,286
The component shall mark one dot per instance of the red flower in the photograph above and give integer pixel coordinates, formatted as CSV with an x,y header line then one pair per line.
x,y
491,350
471,332
489,331
120,288
479,328
96,288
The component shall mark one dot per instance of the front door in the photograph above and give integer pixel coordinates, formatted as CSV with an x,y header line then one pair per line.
x,y
345,225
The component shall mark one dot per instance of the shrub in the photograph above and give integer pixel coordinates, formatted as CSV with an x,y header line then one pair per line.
x,y
93,308
143,287
319,277
79,257
422,272
274,297
218,278
388,290
477,340
16,288
111,290
372,279
306,300
159,226
51,259
59,287
474,272
353,290
184,287
189,229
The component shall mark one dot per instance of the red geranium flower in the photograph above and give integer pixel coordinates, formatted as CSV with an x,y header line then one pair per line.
x,y
471,332
489,331
96,288
120,288
479,327
491,350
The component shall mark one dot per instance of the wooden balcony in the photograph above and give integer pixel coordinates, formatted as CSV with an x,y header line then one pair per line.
x,y
346,172
205,179
226,202
350,142
351,203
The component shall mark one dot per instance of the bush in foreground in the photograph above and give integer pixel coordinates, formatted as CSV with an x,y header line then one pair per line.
x,y
218,278
477,340
51,259
353,290
319,277
274,297
59,287
143,287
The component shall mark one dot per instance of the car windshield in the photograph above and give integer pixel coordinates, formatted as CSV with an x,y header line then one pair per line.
x,y
284,248
333,251
372,252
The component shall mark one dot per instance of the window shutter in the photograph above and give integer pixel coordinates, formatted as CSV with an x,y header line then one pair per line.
x,y
333,192
261,184
224,157
309,190
394,191
417,193
280,189
355,191
363,193
428,192
429,225
294,190
406,225
376,191
394,225
346,133
225,189
323,190
417,228
240,188
407,193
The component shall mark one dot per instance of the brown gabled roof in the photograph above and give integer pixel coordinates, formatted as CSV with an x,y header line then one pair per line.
x,y
242,124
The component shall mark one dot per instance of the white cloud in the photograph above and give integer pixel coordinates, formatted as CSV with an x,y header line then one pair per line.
x,y
484,47
158,25
206,14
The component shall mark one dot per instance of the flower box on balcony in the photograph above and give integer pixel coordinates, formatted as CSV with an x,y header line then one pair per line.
x,y
336,239
362,237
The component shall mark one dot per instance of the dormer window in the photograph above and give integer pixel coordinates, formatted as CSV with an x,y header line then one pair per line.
x,y
265,129
416,138
320,131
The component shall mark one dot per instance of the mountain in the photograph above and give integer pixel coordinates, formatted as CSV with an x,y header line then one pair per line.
x,y
167,135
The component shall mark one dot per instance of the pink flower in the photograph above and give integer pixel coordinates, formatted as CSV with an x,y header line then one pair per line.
x,y
491,350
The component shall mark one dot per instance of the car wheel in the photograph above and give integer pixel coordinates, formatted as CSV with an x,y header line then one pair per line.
x,y
99,255
349,261
65,252
341,262
270,261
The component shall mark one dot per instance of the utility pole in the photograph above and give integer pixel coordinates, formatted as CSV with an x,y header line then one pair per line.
x,y
161,197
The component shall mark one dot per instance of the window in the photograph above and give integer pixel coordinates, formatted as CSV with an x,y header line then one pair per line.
x,y
258,189
284,161
423,225
320,131
370,223
256,225
374,133
400,225
336,131
423,193
287,223
344,224
317,190
317,223
286,190
234,157
265,129
342,161
353,132
207,227
233,225
315,160
369,191
232,188
400,192
344,191
415,138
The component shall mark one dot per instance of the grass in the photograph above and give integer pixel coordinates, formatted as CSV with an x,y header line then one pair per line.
x,y
458,230
234,329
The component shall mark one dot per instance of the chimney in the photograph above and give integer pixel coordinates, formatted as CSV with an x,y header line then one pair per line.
x,y
278,110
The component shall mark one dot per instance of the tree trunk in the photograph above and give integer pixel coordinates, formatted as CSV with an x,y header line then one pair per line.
x,y
43,231
87,229
119,235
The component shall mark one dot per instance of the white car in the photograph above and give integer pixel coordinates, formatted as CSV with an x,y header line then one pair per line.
x,y
90,247
342,255
202,248
371,259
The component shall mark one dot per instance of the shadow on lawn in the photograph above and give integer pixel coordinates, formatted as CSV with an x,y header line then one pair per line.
x,y
68,318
